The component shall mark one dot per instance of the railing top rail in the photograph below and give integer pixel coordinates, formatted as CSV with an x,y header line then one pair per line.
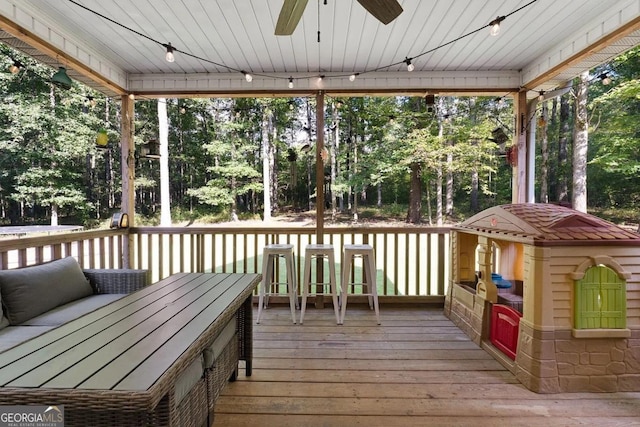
x,y
289,230
58,238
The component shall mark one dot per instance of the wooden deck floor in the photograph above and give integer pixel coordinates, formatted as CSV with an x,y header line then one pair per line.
x,y
416,369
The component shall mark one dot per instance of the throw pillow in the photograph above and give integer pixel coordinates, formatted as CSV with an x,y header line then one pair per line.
x,y
30,291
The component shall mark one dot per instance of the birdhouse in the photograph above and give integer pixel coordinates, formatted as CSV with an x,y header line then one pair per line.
x,y
151,150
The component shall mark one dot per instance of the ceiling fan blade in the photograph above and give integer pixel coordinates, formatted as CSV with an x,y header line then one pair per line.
x,y
385,11
289,17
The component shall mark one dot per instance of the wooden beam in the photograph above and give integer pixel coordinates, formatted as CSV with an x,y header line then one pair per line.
x,y
319,191
60,56
519,192
359,92
127,155
319,167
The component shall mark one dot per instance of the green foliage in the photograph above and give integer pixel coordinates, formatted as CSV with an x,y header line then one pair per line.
x,y
614,157
48,157
233,172
43,142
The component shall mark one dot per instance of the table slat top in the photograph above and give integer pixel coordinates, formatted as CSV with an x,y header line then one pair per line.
x,y
128,344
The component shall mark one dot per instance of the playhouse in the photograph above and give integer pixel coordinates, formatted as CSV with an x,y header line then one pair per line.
x,y
552,293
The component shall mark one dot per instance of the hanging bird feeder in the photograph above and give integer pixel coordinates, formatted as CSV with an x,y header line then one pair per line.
x,y
102,139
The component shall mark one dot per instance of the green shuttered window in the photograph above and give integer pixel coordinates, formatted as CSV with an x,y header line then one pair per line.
x,y
601,301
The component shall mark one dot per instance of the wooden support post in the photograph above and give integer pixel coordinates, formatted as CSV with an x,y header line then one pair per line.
x,y
319,193
519,192
127,153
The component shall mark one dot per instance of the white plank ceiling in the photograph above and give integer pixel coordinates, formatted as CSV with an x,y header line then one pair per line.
x,y
539,47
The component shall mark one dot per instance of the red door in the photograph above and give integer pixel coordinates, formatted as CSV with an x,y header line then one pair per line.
x,y
505,325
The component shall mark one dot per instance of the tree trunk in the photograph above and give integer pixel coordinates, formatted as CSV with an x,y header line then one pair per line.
x,y
439,182
563,142
274,164
54,214
354,172
109,173
428,198
475,184
163,134
415,194
333,146
544,153
580,145
266,165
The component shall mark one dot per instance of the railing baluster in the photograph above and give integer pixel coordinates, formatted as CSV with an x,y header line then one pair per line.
x,y
234,248
171,257
441,260
150,246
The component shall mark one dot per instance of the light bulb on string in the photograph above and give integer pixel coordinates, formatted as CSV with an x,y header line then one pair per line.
x,y
169,55
290,82
352,77
410,66
495,26
248,77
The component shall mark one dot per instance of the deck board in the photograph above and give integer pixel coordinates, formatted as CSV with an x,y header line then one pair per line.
x,y
416,369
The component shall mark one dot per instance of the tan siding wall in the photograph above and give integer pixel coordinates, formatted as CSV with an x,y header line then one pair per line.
x,y
565,260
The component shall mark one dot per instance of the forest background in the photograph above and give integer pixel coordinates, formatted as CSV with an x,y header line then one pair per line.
x,y
428,160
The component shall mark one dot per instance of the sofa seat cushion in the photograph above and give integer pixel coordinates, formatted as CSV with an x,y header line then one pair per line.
x,y
31,291
188,379
72,310
14,335
213,351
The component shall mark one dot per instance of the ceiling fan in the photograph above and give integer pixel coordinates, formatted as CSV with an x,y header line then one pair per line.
x,y
384,11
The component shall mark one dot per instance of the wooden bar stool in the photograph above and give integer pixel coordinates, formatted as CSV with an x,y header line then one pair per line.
x,y
369,287
271,256
313,252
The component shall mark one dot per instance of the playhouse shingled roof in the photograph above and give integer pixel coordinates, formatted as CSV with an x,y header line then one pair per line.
x,y
544,224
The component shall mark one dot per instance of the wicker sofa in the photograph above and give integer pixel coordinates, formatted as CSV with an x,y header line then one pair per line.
x,y
39,298
58,292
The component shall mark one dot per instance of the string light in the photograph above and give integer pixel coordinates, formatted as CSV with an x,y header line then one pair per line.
x,y
290,82
605,79
15,67
495,25
541,96
494,30
410,66
248,77
169,55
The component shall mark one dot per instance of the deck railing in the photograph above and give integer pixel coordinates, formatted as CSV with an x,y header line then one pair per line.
x,y
410,261
92,249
